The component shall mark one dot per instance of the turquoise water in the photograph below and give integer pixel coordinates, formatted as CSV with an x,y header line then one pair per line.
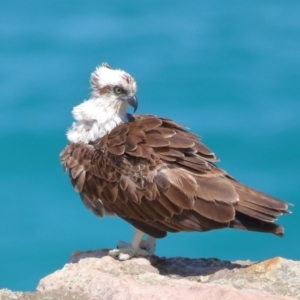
x,y
229,70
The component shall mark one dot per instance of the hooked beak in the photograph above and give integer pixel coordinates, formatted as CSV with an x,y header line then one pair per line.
x,y
132,101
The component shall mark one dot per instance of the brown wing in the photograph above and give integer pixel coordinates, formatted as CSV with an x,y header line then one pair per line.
x,y
159,177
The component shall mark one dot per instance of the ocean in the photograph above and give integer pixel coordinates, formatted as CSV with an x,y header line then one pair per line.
x,y
228,70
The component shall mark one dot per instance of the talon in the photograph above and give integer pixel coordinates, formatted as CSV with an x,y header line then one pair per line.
x,y
114,252
124,251
124,256
138,247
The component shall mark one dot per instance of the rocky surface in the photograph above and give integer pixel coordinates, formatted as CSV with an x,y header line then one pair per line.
x,y
94,275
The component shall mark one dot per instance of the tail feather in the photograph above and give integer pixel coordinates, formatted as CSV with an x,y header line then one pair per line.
x,y
260,199
257,211
245,222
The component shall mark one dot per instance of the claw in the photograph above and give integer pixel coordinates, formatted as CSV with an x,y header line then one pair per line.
x,y
137,247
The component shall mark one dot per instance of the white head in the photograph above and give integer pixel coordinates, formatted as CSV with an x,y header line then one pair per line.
x,y
112,92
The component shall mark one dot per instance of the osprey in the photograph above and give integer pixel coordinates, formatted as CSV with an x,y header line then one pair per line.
x,y
152,172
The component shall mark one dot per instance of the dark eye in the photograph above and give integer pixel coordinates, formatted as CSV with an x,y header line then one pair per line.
x,y
118,90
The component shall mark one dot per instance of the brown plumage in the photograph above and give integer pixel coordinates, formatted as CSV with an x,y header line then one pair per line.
x,y
152,172
159,177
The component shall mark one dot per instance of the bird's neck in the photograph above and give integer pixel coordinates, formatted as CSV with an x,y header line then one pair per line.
x,y
95,119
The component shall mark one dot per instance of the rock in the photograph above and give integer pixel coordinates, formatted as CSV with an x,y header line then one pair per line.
x,y
94,275
9,295
99,276
6,294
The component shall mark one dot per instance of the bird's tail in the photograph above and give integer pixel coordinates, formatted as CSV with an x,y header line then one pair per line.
x,y
257,211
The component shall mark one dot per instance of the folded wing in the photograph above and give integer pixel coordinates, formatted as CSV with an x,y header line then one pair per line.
x,y
159,177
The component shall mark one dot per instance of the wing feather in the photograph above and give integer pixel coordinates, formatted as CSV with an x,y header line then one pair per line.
x,y
159,177
156,140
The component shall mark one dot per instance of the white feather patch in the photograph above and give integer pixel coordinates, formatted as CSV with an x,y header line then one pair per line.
x,y
100,114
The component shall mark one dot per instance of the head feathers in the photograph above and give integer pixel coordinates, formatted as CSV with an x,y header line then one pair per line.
x,y
104,78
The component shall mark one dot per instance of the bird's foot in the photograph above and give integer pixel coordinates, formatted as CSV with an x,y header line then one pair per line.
x,y
126,251
148,245
123,251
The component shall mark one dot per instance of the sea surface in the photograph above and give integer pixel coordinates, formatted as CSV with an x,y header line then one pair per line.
x,y
228,70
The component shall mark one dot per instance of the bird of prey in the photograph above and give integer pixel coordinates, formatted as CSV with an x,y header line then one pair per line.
x,y
152,172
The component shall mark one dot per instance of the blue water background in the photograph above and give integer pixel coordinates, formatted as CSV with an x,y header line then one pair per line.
x,y
229,70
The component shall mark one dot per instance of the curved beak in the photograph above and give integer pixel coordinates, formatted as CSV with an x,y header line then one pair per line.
x,y
132,101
